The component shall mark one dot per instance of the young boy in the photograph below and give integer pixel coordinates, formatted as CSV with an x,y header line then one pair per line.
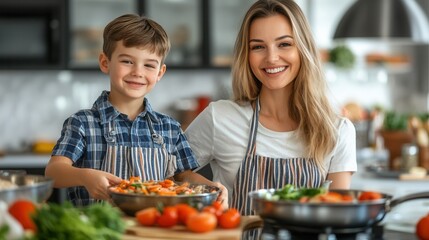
x,y
122,136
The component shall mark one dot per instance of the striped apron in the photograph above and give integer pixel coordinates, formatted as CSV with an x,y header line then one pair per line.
x,y
153,163
260,172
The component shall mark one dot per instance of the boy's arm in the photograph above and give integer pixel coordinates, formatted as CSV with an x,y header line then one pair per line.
x,y
193,177
96,182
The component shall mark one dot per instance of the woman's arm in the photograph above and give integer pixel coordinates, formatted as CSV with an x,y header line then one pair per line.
x,y
340,180
192,177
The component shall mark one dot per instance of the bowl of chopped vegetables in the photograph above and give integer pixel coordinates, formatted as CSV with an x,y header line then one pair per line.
x,y
134,195
15,186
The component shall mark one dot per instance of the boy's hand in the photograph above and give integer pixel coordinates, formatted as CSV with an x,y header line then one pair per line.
x,y
223,196
97,183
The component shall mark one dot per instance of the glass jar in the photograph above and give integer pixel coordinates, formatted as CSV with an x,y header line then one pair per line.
x,y
410,155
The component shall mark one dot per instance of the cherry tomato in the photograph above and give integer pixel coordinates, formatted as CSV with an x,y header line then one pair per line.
x,y
148,216
422,228
217,205
347,198
213,210
331,197
169,217
201,222
184,211
230,218
369,196
22,210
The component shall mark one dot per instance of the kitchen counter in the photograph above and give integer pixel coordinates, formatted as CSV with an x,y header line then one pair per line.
x,y
23,161
400,220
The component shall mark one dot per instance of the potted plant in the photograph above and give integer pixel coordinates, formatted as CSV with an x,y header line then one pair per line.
x,y
395,133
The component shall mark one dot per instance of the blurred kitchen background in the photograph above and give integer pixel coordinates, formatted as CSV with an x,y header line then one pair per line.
x,y
49,51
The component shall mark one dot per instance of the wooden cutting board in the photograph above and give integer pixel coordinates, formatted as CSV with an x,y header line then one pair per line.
x,y
136,231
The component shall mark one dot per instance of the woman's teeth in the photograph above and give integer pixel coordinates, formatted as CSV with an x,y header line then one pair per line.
x,y
275,70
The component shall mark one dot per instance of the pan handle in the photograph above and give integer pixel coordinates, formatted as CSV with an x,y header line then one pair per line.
x,y
391,204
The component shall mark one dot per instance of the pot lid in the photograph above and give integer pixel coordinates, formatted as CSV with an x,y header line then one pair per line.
x,y
384,20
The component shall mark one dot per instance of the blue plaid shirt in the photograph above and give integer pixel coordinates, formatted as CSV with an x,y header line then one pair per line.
x,y
82,138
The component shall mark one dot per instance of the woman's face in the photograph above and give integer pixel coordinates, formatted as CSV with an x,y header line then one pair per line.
x,y
273,55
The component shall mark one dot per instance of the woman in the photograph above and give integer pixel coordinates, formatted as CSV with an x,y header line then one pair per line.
x,y
280,127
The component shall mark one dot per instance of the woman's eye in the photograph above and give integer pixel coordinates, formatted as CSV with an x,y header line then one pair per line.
x,y
285,44
256,47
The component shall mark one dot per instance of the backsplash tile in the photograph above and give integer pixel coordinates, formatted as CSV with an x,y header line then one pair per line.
x,y
34,104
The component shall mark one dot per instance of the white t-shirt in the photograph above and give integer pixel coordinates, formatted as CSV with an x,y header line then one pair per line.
x,y
221,133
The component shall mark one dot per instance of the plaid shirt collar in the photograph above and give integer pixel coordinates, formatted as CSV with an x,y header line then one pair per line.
x,y
108,112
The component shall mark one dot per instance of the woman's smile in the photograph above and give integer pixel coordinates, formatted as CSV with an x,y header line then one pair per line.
x,y
275,70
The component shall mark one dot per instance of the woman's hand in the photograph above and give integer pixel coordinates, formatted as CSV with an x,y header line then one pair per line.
x,y
223,196
97,182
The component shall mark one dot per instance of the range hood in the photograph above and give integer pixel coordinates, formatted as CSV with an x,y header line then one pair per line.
x,y
389,20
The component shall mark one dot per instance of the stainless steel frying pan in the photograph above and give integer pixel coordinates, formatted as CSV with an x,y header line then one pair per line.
x,y
327,215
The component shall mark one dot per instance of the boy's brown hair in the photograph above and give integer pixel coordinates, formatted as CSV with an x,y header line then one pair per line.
x,y
136,31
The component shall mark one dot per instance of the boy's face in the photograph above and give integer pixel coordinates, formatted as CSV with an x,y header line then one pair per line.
x,y
133,71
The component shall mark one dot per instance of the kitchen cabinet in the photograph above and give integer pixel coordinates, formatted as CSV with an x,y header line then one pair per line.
x,y
183,21
224,24
202,32
87,19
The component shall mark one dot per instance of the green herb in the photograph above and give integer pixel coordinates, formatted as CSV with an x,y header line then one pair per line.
x,y
63,221
4,229
342,57
394,121
289,192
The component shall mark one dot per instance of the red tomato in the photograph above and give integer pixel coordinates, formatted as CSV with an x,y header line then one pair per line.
x,y
148,216
213,210
331,197
217,205
347,198
22,210
369,196
184,211
422,228
201,222
230,218
169,217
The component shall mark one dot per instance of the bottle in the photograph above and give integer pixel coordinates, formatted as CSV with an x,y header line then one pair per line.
x,y
410,157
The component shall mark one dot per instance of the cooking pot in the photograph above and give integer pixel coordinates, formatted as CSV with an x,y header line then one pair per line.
x,y
37,188
347,215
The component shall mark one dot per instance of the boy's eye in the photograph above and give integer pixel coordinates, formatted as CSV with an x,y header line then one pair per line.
x,y
150,65
126,61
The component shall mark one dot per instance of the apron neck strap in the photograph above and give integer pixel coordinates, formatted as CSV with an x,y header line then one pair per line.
x,y
155,137
251,145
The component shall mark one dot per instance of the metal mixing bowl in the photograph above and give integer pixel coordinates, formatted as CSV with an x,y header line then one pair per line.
x,y
130,203
32,187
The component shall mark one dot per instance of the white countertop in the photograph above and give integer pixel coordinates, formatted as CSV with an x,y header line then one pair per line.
x,y
24,161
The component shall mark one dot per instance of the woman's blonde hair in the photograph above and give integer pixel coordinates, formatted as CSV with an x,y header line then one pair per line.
x,y
308,105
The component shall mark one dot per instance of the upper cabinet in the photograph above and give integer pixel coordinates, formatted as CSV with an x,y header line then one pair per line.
x,y
87,19
202,32
225,18
183,21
